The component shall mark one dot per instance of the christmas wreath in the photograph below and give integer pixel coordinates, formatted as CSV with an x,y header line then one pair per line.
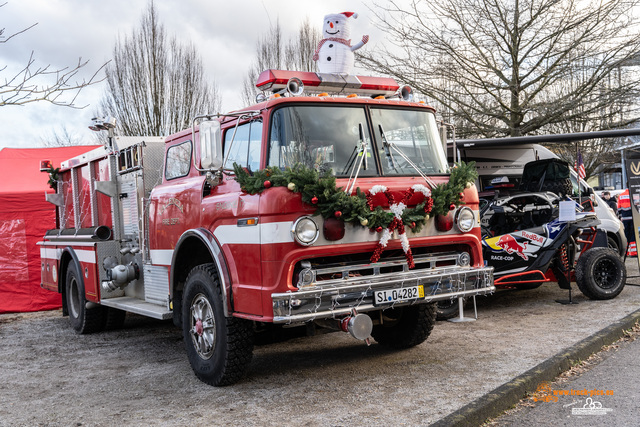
x,y
318,189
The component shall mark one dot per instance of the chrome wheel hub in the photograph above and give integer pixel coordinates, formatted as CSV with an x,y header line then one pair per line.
x,y
203,331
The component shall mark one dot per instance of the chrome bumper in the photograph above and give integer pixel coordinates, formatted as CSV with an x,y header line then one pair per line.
x,y
335,298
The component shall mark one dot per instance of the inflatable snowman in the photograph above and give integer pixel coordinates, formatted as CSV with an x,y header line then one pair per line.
x,y
334,52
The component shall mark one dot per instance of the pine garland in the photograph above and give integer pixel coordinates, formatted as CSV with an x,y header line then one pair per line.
x,y
54,176
319,189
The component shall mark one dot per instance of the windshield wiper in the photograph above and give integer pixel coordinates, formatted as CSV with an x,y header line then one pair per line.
x,y
361,149
387,152
386,144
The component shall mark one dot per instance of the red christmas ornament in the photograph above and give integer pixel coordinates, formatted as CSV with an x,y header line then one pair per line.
x,y
461,195
413,225
267,184
337,214
379,229
314,200
452,206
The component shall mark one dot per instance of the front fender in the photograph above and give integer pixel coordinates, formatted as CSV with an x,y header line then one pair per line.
x,y
186,256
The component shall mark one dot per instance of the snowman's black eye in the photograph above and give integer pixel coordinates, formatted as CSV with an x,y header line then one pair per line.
x,y
328,22
337,22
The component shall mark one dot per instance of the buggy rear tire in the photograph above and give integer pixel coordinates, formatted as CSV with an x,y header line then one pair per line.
x,y
600,274
219,348
405,327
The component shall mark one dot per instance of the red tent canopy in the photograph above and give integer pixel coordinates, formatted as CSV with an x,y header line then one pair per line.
x,y
24,218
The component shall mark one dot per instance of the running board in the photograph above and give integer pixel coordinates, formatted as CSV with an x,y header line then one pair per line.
x,y
138,306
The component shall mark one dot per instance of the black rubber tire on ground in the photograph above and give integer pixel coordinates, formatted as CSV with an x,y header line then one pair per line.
x,y
83,320
600,274
613,244
448,309
527,286
558,187
114,318
405,327
219,348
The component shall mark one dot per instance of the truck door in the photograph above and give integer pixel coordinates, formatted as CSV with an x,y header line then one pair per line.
x,y
232,216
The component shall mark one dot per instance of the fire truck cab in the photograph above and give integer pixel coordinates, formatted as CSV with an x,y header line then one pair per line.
x,y
170,230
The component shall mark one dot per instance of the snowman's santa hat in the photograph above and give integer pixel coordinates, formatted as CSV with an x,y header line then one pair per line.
x,y
350,14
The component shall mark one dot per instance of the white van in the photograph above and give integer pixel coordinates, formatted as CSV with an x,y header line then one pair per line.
x,y
506,163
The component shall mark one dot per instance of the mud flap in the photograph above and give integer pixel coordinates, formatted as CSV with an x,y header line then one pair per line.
x,y
601,240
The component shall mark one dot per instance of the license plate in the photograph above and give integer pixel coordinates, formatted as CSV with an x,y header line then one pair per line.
x,y
398,295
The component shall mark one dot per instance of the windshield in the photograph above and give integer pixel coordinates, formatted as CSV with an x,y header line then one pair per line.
x,y
328,137
414,134
319,138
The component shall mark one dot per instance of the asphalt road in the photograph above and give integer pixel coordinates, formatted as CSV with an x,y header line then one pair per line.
x,y
140,375
615,371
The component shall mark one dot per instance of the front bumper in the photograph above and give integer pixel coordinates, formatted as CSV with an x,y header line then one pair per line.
x,y
354,288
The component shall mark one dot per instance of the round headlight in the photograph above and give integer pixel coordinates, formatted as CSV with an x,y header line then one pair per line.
x,y
304,231
464,219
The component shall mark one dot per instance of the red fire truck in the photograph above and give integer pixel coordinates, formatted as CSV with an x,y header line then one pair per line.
x,y
316,207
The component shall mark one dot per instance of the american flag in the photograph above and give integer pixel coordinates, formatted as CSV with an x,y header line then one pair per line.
x,y
580,167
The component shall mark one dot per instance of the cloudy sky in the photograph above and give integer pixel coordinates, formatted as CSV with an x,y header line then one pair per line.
x,y
224,32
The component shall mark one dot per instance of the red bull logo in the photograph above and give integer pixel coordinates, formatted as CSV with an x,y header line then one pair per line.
x,y
511,245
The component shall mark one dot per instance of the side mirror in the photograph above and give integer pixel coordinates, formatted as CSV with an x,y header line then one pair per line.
x,y
211,155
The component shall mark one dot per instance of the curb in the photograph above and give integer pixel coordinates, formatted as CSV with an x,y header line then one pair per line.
x,y
507,395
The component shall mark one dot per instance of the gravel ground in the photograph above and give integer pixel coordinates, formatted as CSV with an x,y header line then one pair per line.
x,y
140,375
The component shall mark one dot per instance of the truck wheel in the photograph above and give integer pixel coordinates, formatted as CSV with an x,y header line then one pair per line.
x,y
219,348
114,318
600,274
83,320
405,327
448,309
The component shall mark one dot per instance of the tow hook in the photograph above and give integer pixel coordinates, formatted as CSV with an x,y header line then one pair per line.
x,y
359,326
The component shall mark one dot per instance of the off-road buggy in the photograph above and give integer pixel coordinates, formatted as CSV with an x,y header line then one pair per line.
x,y
528,243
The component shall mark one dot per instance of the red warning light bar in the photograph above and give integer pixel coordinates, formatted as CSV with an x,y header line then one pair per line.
x,y
45,165
276,80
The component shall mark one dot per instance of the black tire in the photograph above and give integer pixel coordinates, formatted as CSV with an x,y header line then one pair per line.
x,y
405,327
219,348
527,286
83,320
613,244
563,186
448,309
600,274
114,318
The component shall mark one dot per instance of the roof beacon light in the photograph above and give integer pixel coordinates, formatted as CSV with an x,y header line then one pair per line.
x,y
276,80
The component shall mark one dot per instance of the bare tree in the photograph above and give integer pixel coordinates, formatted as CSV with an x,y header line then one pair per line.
x,y
272,52
34,83
156,85
61,137
515,67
